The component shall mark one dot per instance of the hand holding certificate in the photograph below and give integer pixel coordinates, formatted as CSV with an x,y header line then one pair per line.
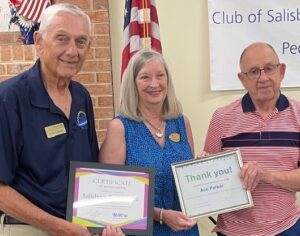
x,y
211,185
121,196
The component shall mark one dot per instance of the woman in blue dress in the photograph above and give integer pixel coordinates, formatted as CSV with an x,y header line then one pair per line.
x,y
151,131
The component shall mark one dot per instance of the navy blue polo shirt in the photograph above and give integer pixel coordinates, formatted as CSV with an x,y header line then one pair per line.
x,y
33,161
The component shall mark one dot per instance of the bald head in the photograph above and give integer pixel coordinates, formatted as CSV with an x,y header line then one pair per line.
x,y
257,46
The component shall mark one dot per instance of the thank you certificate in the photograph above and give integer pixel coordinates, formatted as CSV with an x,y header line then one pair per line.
x,y
211,185
118,195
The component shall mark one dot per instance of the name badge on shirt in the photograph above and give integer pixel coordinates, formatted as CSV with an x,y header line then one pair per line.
x,y
55,130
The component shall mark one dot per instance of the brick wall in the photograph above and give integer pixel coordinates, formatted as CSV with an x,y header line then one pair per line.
x,y
96,73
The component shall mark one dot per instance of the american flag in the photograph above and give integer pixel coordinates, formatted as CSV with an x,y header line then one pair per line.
x,y
32,9
141,29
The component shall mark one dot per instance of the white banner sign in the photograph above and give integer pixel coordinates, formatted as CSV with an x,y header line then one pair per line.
x,y
234,24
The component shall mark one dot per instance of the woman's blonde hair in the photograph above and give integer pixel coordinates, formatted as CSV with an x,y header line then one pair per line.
x,y
129,99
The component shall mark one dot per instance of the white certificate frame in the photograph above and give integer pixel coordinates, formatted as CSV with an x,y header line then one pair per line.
x,y
211,185
106,194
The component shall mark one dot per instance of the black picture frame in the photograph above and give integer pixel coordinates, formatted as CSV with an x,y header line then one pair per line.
x,y
146,227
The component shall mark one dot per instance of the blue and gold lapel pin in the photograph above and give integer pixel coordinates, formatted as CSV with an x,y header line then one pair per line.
x,y
175,137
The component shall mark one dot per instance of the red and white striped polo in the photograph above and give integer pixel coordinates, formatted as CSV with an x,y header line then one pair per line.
x,y
273,143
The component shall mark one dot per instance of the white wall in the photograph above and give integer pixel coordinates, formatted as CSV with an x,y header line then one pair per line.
x,y
184,37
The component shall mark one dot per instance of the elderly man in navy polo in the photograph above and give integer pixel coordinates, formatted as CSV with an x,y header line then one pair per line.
x,y
46,120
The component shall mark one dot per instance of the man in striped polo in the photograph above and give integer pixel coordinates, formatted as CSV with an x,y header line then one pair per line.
x,y
264,124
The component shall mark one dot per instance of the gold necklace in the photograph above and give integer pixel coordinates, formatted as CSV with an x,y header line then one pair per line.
x,y
158,131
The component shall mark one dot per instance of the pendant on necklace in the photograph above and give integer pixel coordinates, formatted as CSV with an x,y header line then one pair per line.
x,y
159,133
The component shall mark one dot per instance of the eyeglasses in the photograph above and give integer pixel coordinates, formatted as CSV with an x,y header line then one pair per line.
x,y
255,72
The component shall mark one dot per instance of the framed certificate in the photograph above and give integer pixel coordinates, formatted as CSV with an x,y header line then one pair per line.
x,y
211,185
118,195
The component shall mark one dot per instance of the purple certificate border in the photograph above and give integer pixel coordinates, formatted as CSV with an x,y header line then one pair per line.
x,y
139,224
140,227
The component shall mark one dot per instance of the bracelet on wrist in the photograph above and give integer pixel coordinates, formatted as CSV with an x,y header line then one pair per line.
x,y
161,216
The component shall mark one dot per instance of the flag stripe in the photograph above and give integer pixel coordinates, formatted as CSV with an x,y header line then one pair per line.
x,y
23,7
32,9
41,7
141,29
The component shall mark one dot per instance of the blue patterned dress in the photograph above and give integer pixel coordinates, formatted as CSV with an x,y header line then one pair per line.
x,y
143,150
